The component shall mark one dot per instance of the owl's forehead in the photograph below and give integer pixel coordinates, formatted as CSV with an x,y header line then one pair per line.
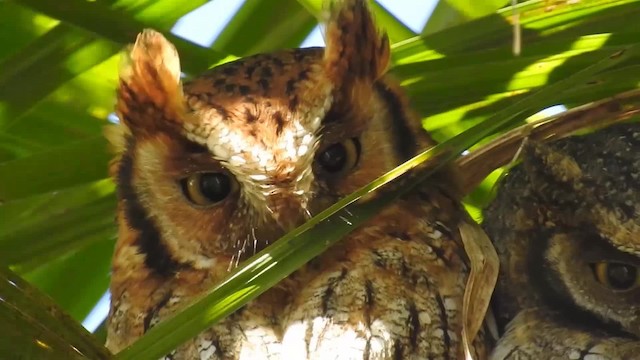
x,y
608,158
262,111
271,75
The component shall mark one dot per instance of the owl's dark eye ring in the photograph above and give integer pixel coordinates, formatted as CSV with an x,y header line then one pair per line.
x,y
616,275
205,189
340,157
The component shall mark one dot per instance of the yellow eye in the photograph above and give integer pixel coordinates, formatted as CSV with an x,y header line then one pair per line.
x,y
339,157
208,188
617,276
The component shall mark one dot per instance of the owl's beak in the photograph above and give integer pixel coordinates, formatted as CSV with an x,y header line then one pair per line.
x,y
289,210
281,216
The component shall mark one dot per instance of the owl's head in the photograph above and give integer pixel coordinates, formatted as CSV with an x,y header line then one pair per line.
x,y
232,160
566,223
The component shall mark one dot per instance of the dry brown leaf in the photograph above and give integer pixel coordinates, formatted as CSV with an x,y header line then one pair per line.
x,y
482,280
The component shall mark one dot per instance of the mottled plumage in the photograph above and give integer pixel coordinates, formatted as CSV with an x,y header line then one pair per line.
x,y
565,225
211,173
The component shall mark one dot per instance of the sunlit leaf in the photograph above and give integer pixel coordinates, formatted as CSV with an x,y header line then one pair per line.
x,y
26,176
121,20
55,222
252,30
449,13
39,329
86,268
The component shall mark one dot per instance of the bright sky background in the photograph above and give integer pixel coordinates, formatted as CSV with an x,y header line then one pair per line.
x,y
203,25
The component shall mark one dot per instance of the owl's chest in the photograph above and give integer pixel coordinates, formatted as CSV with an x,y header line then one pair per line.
x,y
393,285
403,241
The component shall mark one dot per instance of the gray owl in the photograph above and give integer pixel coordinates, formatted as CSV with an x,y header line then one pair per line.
x,y
565,224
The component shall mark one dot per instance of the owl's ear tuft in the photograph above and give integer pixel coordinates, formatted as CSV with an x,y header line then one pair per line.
x,y
150,94
355,49
551,169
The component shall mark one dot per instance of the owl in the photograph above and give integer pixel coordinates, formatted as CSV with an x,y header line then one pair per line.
x,y
211,171
565,223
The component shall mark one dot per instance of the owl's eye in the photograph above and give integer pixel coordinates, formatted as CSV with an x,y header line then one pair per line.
x,y
339,157
208,188
617,276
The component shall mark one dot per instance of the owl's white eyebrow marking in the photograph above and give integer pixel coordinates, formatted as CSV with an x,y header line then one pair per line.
x,y
241,146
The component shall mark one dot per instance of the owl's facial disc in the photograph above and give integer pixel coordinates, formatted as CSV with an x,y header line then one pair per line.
x,y
600,186
589,271
263,133
237,152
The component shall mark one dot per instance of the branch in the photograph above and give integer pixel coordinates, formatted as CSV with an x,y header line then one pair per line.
x,y
480,163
